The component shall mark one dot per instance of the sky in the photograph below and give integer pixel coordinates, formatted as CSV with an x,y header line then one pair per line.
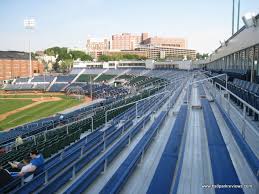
x,y
71,22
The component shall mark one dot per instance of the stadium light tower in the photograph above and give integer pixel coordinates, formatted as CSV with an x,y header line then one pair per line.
x,y
29,24
238,14
233,17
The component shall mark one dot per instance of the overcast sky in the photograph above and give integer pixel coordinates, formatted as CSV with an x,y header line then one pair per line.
x,y
70,22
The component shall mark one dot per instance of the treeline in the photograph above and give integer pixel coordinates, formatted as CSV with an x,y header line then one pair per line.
x,y
117,57
62,53
65,58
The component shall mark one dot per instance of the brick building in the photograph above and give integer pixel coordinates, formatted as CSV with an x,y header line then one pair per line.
x,y
166,42
14,64
127,41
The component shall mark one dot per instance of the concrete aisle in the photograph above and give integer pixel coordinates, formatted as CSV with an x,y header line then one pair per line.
x,y
196,169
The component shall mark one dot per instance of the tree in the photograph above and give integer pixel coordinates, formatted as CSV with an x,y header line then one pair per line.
x,y
55,67
104,58
80,55
120,56
202,56
66,65
61,53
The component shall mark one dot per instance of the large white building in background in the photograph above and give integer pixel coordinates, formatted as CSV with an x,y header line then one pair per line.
x,y
151,47
147,64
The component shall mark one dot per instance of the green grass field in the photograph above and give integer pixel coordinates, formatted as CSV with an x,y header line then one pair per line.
x,y
28,96
34,113
9,105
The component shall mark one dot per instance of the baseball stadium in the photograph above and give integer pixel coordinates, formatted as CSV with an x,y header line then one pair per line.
x,y
140,122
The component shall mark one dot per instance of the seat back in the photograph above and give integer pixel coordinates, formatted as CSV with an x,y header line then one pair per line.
x,y
247,85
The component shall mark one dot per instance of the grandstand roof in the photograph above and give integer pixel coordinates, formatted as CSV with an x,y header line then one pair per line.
x,y
242,39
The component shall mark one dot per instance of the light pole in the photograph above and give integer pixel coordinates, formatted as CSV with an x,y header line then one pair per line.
x,y
233,17
238,14
29,24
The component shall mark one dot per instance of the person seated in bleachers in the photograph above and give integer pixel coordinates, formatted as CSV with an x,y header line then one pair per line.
x,y
5,177
2,150
35,166
18,141
37,162
24,167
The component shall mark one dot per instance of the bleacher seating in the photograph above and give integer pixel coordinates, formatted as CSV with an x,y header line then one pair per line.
x,y
19,80
86,77
114,71
222,166
41,86
163,178
105,77
57,87
88,177
43,78
26,86
125,76
247,91
243,145
65,78
126,168
92,145
19,87
100,90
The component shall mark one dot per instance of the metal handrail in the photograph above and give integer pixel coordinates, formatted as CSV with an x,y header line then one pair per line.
x,y
240,99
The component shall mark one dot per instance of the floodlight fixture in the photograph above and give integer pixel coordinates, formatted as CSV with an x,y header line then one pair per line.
x,y
249,20
29,23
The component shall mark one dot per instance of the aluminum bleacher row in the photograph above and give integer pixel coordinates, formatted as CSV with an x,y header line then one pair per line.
x,y
86,78
42,79
65,78
82,152
74,133
122,174
248,153
166,169
88,177
19,86
126,168
57,87
223,169
21,80
99,90
137,77
105,77
45,124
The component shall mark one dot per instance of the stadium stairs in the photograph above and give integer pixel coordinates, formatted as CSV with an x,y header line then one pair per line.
x,y
51,84
78,75
100,74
